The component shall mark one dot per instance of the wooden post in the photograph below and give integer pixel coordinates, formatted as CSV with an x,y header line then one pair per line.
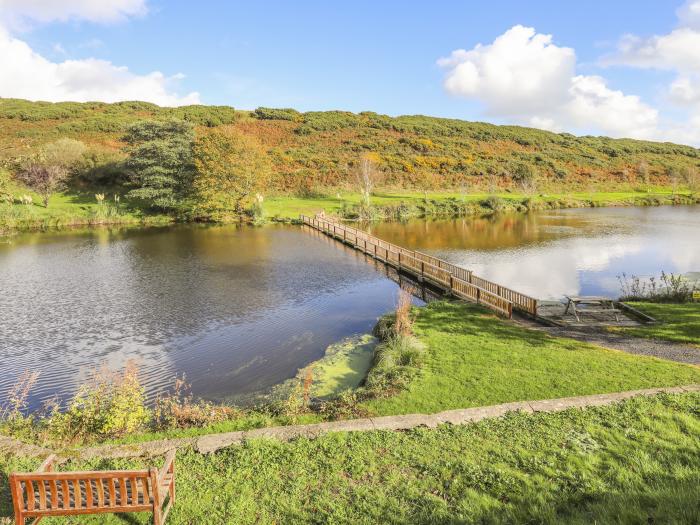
x,y
422,268
452,286
399,260
478,295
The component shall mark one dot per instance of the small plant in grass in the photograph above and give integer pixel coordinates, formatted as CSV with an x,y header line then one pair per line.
x,y
14,417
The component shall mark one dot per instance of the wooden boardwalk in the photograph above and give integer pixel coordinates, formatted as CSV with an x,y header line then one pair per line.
x,y
457,281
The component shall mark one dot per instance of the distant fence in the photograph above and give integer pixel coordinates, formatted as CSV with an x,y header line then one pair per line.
x,y
459,281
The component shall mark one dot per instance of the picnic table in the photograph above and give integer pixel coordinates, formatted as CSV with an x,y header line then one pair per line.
x,y
598,304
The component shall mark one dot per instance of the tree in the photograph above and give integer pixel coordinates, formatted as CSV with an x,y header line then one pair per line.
x,y
230,168
160,159
366,178
525,175
47,172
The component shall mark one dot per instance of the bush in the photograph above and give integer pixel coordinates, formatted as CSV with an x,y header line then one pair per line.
x,y
278,114
494,203
669,288
110,405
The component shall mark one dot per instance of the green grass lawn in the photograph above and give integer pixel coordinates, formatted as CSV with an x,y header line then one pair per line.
x,y
476,359
70,209
679,323
633,462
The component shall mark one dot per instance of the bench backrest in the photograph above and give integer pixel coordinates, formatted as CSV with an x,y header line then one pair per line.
x,y
65,493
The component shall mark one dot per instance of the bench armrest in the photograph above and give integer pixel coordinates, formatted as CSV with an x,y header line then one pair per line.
x,y
168,466
47,465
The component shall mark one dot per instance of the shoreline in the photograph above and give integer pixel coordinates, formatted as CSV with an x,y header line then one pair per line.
x,y
385,207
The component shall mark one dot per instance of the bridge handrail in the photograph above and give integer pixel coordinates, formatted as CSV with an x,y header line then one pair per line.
x,y
498,297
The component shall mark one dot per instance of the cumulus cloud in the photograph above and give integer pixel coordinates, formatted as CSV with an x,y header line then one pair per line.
x,y
678,50
25,73
525,77
521,72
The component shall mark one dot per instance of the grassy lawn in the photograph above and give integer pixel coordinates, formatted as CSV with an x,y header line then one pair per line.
x,y
633,462
476,359
68,209
679,323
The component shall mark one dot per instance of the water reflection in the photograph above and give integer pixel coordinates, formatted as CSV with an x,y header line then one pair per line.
x,y
236,309
550,254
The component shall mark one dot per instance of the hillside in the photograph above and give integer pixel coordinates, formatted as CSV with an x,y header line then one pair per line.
x,y
314,151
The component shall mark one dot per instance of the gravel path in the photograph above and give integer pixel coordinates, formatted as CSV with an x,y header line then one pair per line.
x,y
634,345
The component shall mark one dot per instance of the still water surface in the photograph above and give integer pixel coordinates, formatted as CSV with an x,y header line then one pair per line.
x,y
241,309
565,252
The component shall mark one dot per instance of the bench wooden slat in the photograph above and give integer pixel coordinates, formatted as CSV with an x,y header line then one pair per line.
x,y
122,492
30,494
54,493
77,494
134,493
49,493
112,497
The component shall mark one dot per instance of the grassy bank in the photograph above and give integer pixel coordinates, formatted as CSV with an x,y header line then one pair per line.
x,y
473,358
404,204
68,209
634,462
678,323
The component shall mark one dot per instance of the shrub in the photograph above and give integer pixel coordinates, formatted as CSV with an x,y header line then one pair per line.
x,y
180,410
110,405
278,114
669,288
494,203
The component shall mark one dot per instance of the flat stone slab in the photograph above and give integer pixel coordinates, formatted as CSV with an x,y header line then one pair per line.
x,y
212,442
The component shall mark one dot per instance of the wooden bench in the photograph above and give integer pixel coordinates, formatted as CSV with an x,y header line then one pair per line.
x,y
49,493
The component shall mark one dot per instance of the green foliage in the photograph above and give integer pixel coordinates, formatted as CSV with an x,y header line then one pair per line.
x,y
160,157
278,114
110,405
669,288
231,168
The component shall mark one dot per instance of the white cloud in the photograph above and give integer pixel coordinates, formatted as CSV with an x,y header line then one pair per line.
x,y
13,12
24,73
523,76
678,50
689,14
521,72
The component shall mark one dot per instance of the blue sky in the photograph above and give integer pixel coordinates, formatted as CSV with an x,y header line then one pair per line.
x,y
379,56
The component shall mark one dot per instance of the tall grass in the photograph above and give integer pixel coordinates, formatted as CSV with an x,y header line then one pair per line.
x,y
668,288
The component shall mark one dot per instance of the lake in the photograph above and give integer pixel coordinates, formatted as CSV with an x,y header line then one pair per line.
x,y
239,309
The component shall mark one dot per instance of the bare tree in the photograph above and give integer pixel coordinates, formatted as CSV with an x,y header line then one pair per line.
x,y
43,179
366,178
47,172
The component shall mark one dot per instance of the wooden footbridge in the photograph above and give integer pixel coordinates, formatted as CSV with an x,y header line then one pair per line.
x,y
457,281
